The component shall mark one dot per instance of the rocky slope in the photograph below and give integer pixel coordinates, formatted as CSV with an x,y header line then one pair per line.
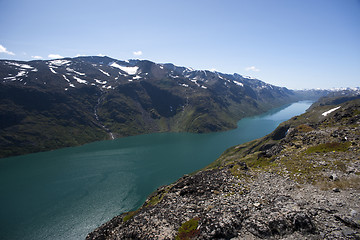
x,y
300,182
46,105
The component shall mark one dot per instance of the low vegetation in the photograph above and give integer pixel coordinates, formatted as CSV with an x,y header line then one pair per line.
x,y
129,215
329,147
315,150
188,230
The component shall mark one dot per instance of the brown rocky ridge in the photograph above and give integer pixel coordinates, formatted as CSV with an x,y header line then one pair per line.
x,y
300,182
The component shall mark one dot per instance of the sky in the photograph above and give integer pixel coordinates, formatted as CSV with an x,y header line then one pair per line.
x,y
297,44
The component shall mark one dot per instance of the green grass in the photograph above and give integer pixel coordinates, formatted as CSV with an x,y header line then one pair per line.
x,y
130,215
329,147
155,199
188,230
261,163
356,112
304,128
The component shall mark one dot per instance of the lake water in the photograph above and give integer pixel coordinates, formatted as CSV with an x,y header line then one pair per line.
x,y
65,194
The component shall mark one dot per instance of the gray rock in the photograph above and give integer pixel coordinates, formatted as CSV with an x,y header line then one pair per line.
x,y
334,177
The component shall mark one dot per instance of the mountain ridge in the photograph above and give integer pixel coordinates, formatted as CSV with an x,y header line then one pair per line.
x,y
49,104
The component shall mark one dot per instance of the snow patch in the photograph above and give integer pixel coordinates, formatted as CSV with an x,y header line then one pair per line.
x,y
22,73
184,85
330,111
52,70
100,82
136,77
203,87
72,70
128,70
173,76
80,80
66,78
20,65
59,62
10,78
195,81
107,74
238,83
248,77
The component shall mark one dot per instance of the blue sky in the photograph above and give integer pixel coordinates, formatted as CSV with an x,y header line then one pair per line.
x,y
292,43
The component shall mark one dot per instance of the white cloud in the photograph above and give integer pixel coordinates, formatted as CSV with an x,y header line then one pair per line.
x,y
252,68
55,56
137,53
4,50
37,57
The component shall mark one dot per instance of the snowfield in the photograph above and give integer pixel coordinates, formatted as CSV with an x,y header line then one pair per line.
x,y
59,62
238,83
20,65
330,111
107,74
80,80
128,70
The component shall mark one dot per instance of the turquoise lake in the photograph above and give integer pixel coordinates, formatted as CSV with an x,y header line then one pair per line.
x,y
66,193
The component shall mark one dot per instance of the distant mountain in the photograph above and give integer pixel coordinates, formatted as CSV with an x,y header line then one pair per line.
x,y
51,104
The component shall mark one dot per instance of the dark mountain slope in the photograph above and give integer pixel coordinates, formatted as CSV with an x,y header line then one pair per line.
x,y
300,182
33,120
66,102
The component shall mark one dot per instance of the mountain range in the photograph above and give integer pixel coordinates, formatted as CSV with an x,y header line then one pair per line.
x,y
50,104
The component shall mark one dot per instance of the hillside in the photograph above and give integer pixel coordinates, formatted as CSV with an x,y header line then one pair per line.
x,y
299,182
46,105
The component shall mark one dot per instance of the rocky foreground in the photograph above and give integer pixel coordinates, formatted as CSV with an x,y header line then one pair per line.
x,y
300,182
